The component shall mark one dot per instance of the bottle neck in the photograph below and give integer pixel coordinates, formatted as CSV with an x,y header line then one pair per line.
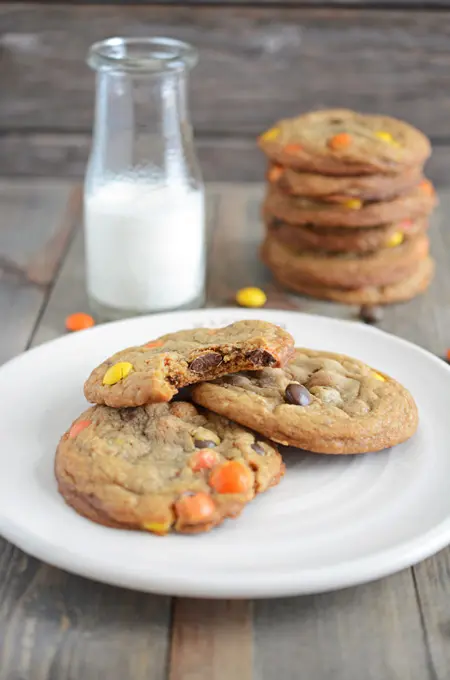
x,y
142,124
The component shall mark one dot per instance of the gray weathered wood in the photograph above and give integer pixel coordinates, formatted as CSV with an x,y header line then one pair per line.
x,y
369,632
34,231
211,640
256,64
222,159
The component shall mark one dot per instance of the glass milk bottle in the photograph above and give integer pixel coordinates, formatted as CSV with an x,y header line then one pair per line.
x,y
144,197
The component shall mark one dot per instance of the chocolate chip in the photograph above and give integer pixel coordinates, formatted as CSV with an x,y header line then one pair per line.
x,y
258,448
260,357
370,314
297,394
204,444
128,414
205,362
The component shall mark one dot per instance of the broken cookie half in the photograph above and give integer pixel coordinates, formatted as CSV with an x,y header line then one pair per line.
x,y
154,372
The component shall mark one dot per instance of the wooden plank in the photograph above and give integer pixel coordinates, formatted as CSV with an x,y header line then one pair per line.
x,y
386,4
211,640
369,632
35,226
256,63
222,159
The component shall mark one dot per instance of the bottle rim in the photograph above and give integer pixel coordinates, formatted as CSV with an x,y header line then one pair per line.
x,y
153,55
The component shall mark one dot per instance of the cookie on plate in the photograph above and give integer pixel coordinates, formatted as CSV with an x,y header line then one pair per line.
x,y
338,189
156,371
346,270
162,467
352,213
406,289
320,402
343,142
342,240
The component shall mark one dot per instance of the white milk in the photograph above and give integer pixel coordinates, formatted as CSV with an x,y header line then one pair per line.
x,y
144,245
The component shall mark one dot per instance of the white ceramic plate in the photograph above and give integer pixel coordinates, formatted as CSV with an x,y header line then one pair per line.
x,y
331,522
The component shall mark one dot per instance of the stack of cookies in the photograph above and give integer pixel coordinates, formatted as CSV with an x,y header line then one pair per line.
x,y
347,207
147,456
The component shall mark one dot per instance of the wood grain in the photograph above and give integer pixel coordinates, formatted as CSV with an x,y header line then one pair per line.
x,y
222,159
35,226
369,632
256,63
211,640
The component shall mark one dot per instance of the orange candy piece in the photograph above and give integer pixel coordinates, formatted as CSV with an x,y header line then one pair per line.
x,y
405,225
447,355
340,141
275,173
78,427
231,477
155,343
195,509
203,460
292,148
427,187
79,321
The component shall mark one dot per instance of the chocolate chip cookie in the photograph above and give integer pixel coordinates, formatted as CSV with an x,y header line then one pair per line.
x,y
156,371
352,213
162,467
343,142
342,240
340,189
321,402
406,289
350,271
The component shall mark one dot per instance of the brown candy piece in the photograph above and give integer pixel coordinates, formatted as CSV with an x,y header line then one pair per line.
x,y
370,314
297,394
204,444
206,361
260,357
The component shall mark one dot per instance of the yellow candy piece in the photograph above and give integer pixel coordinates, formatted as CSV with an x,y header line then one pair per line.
x,y
160,528
386,137
395,240
117,372
353,204
251,297
270,135
378,376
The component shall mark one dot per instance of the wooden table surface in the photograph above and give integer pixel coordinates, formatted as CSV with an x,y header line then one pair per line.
x,y
55,626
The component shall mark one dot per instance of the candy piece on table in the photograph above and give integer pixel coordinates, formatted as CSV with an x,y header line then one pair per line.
x,y
447,355
251,297
371,314
117,372
79,321
340,141
231,477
